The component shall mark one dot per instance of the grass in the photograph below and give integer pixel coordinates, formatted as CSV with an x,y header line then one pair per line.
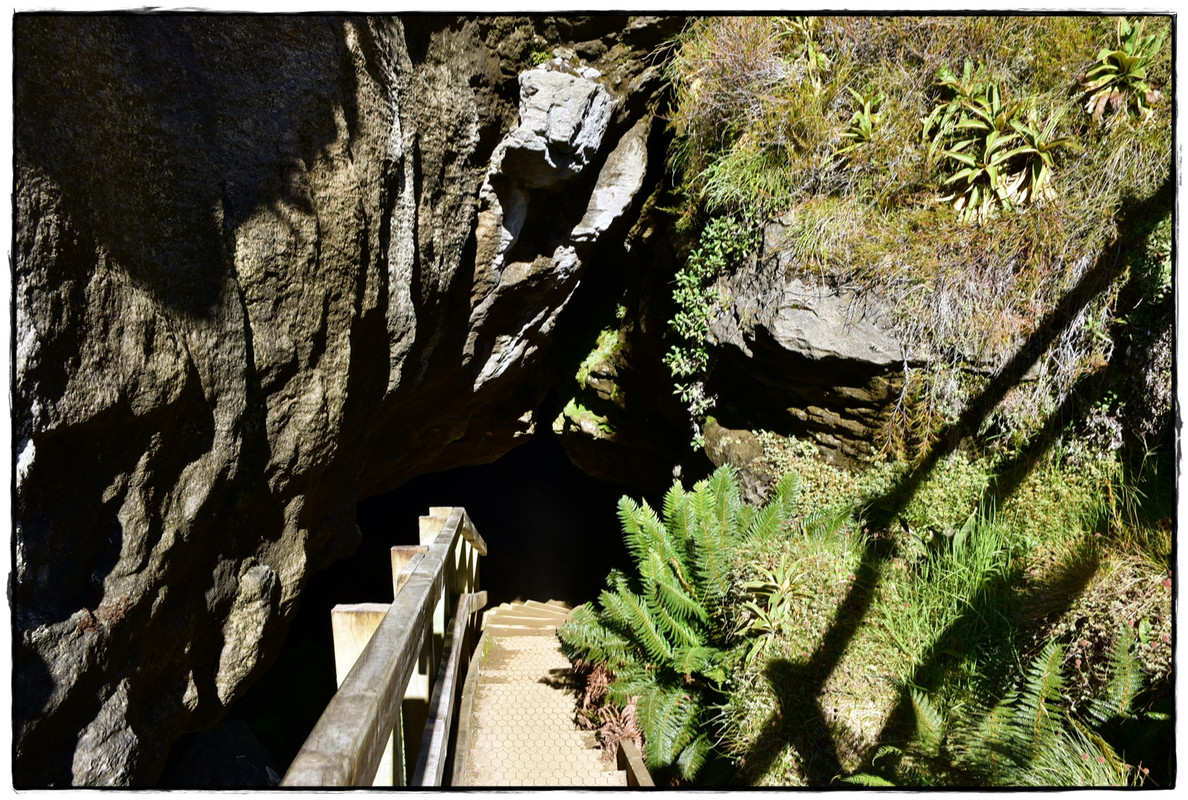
x,y
1043,527
763,115
955,603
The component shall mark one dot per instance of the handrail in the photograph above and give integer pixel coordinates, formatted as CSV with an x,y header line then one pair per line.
x,y
363,721
434,745
631,762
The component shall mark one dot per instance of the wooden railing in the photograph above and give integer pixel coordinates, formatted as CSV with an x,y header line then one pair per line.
x,y
399,667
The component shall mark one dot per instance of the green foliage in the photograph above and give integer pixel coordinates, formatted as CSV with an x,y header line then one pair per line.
x,y
1028,738
1002,160
665,634
589,422
863,120
1118,81
610,341
951,613
724,243
767,122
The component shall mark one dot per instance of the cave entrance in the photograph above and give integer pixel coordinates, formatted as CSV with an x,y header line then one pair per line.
x,y
552,532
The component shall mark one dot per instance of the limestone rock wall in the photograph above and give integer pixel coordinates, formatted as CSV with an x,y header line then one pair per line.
x,y
265,266
807,358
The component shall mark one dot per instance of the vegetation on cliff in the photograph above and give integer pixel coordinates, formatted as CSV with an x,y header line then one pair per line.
x,y
978,172
988,600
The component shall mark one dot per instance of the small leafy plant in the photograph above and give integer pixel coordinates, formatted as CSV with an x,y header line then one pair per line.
x,y
1118,82
1002,161
724,243
864,120
1039,146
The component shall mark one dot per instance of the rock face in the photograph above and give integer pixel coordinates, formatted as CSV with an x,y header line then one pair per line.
x,y
815,360
264,267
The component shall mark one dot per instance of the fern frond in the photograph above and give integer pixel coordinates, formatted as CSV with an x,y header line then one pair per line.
x,y
678,519
766,523
1036,715
675,630
630,611
866,779
726,498
1125,680
585,635
985,743
668,715
632,679
825,521
643,531
716,503
930,725
787,494
695,660
675,585
692,758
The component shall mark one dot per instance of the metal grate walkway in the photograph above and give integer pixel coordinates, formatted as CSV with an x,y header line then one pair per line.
x,y
520,729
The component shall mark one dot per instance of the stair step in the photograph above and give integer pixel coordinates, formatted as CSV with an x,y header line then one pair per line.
x,y
521,625
551,605
522,630
529,616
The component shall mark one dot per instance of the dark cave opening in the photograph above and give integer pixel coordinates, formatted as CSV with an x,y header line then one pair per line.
x,y
552,533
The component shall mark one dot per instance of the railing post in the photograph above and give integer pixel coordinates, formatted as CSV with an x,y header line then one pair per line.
x,y
352,627
415,707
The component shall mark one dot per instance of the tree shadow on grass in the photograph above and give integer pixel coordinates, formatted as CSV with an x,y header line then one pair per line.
x,y
799,720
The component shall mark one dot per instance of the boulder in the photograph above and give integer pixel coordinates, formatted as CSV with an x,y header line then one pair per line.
x,y
808,358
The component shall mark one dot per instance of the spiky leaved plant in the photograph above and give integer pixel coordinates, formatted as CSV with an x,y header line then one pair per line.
x,y
1118,81
663,633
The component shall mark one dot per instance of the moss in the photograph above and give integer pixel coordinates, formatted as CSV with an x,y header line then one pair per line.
x,y
583,419
610,342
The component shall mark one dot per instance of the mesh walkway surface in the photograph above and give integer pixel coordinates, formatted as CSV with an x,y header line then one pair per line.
x,y
521,726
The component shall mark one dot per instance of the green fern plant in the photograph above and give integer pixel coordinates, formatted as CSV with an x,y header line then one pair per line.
x,y
665,633
1028,738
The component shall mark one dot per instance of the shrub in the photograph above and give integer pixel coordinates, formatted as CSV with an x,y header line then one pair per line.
x,y
724,243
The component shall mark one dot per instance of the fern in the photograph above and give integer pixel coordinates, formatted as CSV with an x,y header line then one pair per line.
x,y
669,723
693,756
1124,684
787,493
930,726
825,521
662,632
1037,715
585,634
766,524
1028,738
866,779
